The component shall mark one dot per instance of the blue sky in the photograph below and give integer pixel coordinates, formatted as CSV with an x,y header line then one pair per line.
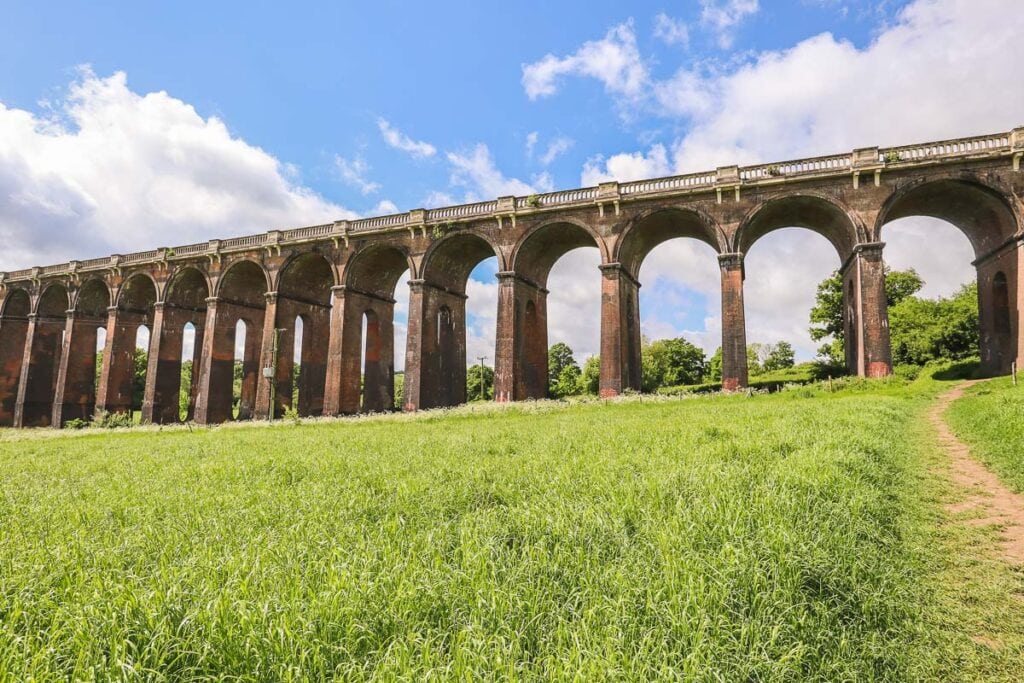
x,y
129,125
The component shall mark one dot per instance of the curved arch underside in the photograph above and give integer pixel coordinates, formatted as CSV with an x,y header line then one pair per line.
x,y
646,233
188,289
979,212
93,300
450,263
244,283
308,277
812,213
376,270
539,252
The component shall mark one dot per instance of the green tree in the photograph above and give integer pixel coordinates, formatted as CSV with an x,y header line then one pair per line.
x,y
827,313
399,390
715,366
922,330
559,357
185,390
568,383
672,362
778,357
140,360
754,353
590,378
479,383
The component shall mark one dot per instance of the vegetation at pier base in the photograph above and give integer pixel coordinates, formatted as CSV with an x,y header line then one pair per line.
x,y
792,536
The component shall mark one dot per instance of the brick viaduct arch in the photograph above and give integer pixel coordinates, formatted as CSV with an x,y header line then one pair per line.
x,y
339,281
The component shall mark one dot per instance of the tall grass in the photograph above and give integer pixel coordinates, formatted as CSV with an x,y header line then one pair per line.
x,y
990,418
722,538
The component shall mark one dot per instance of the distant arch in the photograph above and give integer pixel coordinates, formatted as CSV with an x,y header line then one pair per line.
x,y
810,211
538,251
646,231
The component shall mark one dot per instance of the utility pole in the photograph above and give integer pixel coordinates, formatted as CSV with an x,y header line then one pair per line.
x,y
483,378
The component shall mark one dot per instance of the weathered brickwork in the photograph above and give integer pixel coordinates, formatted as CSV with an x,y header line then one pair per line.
x,y
340,280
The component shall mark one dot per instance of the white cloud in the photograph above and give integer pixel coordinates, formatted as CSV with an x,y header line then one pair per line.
x,y
939,69
626,167
671,31
437,198
574,302
614,60
116,171
723,16
353,172
476,171
399,140
531,142
384,207
556,148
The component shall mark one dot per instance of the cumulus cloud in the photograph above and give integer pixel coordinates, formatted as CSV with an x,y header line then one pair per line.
x,y
614,60
476,172
671,31
939,71
111,170
723,16
825,95
400,141
354,171
626,166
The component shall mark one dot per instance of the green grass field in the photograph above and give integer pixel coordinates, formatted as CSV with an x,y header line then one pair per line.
x,y
796,536
990,418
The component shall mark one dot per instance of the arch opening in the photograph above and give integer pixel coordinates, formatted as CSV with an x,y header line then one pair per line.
x,y
13,332
680,298
133,311
782,275
986,221
173,391
230,382
459,316
940,255
45,341
303,325
557,292
369,381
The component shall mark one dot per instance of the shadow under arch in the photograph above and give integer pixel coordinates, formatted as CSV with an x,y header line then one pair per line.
x,y
521,372
17,307
986,217
812,212
303,294
185,304
644,233
134,308
441,352
366,372
45,348
75,393
240,295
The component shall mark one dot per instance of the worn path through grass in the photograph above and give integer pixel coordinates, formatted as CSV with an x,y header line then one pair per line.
x,y
987,501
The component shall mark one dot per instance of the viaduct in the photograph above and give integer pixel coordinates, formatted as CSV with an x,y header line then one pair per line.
x,y
340,279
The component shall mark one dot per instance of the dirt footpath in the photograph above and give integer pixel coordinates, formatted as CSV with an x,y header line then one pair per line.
x,y
986,499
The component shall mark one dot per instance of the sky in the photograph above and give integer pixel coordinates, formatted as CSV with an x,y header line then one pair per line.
x,y
127,126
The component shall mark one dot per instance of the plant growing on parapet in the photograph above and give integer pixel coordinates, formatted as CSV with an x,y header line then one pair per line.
x,y
892,156
440,230
533,201
773,171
